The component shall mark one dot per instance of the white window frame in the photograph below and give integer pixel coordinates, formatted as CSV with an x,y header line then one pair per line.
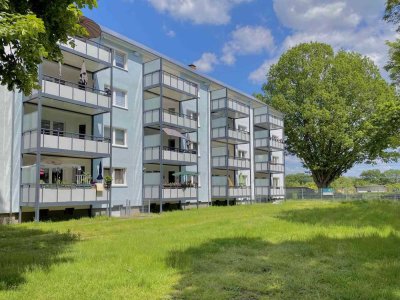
x,y
115,97
125,60
242,152
107,127
242,128
113,177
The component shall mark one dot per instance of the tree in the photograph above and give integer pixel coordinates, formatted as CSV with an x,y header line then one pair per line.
x,y
372,176
297,180
338,109
392,15
30,31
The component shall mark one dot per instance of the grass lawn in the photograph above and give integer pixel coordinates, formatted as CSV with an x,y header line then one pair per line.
x,y
294,250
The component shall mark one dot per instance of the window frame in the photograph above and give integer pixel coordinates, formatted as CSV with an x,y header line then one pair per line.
x,y
115,98
125,138
125,54
112,173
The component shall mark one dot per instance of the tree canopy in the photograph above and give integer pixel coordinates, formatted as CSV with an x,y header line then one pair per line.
x,y
30,31
338,109
392,15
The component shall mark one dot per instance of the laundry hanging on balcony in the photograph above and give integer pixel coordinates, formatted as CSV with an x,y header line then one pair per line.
x,y
176,133
83,78
100,171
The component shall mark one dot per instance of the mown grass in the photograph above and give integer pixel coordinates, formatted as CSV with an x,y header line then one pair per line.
x,y
294,250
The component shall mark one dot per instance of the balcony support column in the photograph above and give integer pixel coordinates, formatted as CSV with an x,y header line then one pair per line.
x,y
38,157
109,194
198,148
161,136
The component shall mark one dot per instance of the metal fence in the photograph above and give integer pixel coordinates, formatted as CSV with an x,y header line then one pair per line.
x,y
299,193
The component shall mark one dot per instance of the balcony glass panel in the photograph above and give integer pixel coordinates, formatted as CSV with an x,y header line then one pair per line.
x,y
226,103
91,48
66,141
234,162
225,132
170,154
80,93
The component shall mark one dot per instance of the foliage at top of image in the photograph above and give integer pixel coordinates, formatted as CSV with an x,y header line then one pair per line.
x,y
30,31
339,111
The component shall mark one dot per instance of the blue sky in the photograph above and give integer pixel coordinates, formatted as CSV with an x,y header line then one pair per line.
x,y
236,41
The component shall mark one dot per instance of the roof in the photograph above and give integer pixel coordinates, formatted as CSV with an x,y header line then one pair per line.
x,y
186,68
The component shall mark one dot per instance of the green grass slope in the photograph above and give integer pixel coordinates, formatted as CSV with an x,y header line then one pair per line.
x,y
294,250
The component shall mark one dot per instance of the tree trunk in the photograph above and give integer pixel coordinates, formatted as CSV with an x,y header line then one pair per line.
x,y
322,178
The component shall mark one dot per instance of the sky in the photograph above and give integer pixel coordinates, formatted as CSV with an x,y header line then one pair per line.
x,y
236,41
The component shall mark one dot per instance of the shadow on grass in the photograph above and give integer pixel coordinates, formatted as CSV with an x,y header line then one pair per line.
x,y
23,250
250,268
377,214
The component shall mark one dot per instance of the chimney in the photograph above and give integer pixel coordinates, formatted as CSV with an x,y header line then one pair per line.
x,y
192,66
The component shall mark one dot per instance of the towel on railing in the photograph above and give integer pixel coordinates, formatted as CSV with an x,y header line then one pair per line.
x,y
99,187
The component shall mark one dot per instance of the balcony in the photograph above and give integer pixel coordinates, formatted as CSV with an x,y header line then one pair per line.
x,y
232,136
183,122
66,143
267,143
75,94
268,121
170,193
63,195
170,155
88,49
176,86
235,163
277,191
269,167
222,191
233,108
261,191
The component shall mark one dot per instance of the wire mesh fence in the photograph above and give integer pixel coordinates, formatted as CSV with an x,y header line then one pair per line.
x,y
303,193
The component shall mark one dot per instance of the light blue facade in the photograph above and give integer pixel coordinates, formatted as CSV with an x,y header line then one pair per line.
x,y
142,172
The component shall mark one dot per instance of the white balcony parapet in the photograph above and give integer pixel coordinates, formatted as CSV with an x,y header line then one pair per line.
x,y
170,118
273,121
91,49
65,141
269,143
261,190
226,132
170,80
53,194
178,193
277,191
233,191
269,167
226,103
228,161
180,156
79,93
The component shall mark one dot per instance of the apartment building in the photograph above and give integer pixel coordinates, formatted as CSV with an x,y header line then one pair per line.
x,y
169,137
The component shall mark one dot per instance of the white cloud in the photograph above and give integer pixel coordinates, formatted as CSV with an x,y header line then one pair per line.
x,y
352,25
259,75
206,62
215,12
247,40
169,32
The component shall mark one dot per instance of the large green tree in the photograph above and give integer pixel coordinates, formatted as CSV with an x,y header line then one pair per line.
x,y
30,31
339,111
392,15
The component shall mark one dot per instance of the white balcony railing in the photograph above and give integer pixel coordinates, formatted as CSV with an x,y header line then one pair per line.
x,y
235,191
65,141
277,191
273,121
170,80
79,93
170,154
226,103
153,192
90,48
261,190
232,162
269,143
226,132
53,194
269,167
170,118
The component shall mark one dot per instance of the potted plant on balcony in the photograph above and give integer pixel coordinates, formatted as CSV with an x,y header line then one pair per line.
x,y
107,182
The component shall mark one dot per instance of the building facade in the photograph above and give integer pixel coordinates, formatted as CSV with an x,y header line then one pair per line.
x,y
168,136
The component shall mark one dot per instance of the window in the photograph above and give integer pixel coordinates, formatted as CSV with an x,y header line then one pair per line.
x,y
45,126
120,98
241,154
58,128
120,59
119,137
119,176
107,132
275,159
192,115
275,182
242,128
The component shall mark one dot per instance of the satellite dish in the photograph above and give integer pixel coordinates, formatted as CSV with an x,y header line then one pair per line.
x,y
91,26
